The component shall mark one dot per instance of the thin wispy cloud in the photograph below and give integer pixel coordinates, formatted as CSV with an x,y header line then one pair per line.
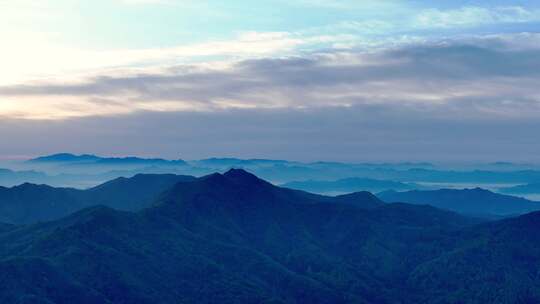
x,y
489,75
41,54
470,16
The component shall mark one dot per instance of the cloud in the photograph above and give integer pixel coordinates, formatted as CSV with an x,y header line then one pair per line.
x,y
365,5
424,21
54,61
470,16
367,24
483,76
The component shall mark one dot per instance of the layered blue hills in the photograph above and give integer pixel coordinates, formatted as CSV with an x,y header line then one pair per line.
x,y
235,238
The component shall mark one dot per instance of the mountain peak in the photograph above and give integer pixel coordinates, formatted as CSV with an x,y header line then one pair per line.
x,y
232,180
480,190
240,175
27,186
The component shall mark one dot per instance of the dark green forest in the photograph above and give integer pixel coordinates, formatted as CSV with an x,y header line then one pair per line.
x,y
234,238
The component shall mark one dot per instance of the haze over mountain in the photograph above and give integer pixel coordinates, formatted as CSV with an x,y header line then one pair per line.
x,y
233,238
533,188
87,170
10,177
466,201
347,185
29,203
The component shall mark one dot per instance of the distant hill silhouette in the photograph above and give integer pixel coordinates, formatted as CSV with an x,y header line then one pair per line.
x,y
10,177
30,203
66,169
347,185
467,201
237,162
66,157
533,188
87,159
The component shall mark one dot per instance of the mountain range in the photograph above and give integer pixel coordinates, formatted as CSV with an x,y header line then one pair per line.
x,y
476,202
30,203
533,188
89,159
234,238
87,170
351,184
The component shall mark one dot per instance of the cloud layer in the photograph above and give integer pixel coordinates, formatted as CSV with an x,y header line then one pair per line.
x,y
494,75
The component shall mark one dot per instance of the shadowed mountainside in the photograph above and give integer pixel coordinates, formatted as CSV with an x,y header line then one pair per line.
x,y
30,203
234,238
224,238
496,262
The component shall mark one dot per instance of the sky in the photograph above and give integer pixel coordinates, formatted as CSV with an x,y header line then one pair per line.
x,y
298,79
